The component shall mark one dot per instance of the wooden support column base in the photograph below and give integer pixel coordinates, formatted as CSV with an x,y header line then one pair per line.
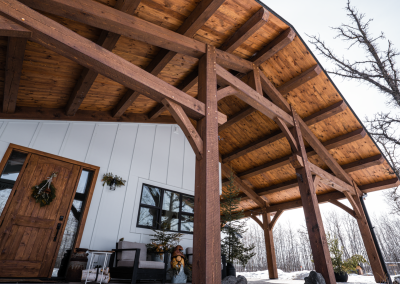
x,y
269,246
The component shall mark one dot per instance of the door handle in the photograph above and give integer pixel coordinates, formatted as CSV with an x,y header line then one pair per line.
x,y
58,229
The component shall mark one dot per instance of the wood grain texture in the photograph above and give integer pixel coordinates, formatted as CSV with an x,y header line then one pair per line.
x,y
200,15
269,246
15,58
11,29
275,219
300,79
207,240
315,228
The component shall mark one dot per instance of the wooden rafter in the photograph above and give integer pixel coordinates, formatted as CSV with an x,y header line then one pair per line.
x,y
107,40
101,16
300,79
330,144
203,11
274,46
187,127
309,120
81,50
246,30
157,111
235,118
364,163
240,36
13,69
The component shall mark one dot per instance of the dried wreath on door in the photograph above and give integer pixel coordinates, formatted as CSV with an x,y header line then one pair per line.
x,y
45,192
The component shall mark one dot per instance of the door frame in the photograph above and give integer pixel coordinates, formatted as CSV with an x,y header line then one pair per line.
x,y
84,166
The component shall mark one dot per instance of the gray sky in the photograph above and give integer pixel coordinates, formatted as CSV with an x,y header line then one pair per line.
x,y
315,17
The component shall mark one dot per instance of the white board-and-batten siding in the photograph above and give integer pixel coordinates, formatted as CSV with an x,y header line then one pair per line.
x,y
140,153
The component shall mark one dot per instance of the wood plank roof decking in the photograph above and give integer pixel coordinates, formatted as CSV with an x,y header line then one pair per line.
x,y
48,80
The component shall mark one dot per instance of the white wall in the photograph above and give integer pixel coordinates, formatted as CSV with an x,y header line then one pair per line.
x,y
140,153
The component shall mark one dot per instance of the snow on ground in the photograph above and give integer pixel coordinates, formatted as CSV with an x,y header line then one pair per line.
x,y
300,275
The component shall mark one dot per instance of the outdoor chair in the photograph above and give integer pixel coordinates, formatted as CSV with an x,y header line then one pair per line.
x,y
189,256
129,261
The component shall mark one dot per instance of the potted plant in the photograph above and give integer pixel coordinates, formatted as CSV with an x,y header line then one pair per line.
x,y
232,227
162,242
342,267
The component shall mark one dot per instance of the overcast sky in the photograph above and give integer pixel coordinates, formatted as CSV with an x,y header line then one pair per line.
x,y
315,17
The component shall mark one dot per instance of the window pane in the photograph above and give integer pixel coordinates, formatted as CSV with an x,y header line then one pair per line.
x,y
169,220
187,204
147,217
151,195
186,223
171,201
9,176
84,181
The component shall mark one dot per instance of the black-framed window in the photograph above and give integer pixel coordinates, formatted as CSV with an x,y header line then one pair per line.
x,y
165,209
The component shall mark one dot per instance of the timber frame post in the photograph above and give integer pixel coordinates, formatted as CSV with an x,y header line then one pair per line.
x,y
207,239
269,246
307,184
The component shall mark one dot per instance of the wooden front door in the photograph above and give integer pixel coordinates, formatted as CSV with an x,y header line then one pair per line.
x,y
30,235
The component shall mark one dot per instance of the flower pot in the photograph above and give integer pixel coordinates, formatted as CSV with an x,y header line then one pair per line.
x,y
230,269
157,257
180,278
341,277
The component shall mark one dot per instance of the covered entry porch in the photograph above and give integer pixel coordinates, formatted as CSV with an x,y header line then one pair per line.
x,y
242,86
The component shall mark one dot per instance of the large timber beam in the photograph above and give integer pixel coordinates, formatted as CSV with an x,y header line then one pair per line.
x,y
252,97
330,144
39,113
13,69
103,17
326,197
309,120
11,29
203,11
274,46
207,239
239,37
351,167
60,39
107,40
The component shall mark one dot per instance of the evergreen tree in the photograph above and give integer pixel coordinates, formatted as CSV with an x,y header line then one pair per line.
x,y
232,227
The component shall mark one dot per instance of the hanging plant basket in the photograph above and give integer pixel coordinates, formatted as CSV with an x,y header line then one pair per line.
x,y
112,181
45,192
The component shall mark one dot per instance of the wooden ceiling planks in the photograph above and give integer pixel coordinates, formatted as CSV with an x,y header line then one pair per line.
x,y
47,81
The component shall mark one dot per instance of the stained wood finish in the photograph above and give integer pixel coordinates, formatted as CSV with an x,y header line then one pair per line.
x,y
273,47
30,113
106,18
275,219
26,220
344,207
204,10
187,127
269,246
300,80
330,144
107,40
103,61
157,111
10,29
245,31
206,242
15,58
236,118
310,120
315,228
258,221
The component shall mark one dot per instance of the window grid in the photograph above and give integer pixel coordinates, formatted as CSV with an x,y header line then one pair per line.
x,y
159,208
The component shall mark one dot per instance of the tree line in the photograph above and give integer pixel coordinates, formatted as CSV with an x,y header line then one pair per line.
x,y
293,250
